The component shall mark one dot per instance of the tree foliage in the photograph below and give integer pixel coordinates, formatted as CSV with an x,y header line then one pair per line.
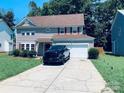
x,y
34,9
8,17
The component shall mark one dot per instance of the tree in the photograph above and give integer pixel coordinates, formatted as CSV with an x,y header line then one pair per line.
x,y
9,18
34,10
46,10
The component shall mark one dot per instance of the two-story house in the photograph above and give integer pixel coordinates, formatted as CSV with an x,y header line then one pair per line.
x,y
6,37
40,32
118,33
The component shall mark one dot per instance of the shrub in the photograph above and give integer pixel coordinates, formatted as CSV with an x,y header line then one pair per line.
x,y
24,53
32,53
93,53
16,52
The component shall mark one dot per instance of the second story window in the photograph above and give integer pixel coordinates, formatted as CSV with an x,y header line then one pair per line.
x,y
62,30
74,29
32,33
28,33
23,34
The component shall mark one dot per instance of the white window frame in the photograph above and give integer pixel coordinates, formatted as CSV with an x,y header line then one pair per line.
x,y
30,33
25,43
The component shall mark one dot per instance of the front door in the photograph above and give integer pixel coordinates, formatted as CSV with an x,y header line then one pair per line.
x,y
40,49
47,46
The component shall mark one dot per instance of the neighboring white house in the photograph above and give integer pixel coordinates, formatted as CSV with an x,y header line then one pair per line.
x,y
6,37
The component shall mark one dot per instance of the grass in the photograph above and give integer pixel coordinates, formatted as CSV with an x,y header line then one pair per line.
x,y
112,69
10,66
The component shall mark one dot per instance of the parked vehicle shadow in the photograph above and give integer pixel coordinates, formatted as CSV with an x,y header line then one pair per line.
x,y
53,64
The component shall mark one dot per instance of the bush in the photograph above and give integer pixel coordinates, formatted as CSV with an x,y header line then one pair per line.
x,y
16,52
93,53
24,53
32,53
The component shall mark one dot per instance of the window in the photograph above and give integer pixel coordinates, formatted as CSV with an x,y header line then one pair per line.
x,y
27,33
32,46
74,29
22,46
32,33
0,45
23,34
27,46
62,30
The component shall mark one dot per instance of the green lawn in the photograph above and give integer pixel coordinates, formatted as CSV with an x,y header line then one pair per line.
x,y
112,70
10,66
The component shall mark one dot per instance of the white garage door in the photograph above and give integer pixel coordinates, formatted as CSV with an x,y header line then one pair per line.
x,y
78,50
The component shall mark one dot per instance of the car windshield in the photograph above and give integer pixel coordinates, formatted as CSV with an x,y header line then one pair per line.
x,y
58,47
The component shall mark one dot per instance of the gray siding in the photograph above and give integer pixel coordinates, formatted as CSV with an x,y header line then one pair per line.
x,y
39,33
118,35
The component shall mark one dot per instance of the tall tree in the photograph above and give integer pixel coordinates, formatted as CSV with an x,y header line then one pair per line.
x,y
9,18
34,10
46,10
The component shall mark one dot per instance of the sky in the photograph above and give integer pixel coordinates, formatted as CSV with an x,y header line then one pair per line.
x,y
19,7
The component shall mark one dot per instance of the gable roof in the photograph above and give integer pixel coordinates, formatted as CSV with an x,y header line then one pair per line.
x,y
118,12
57,20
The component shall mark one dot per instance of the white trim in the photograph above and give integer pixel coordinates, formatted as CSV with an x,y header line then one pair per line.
x,y
23,20
30,33
27,43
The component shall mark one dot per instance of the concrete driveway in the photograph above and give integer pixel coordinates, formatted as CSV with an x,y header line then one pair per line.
x,y
76,76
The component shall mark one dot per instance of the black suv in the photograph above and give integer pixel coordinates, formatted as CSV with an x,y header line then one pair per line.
x,y
57,54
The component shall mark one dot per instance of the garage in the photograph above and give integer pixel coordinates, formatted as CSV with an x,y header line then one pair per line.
x,y
78,44
78,50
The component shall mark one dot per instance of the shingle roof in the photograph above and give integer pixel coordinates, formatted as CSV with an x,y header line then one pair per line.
x,y
58,20
79,36
65,37
44,40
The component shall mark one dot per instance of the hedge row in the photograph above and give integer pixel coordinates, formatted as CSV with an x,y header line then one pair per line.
x,y
24,53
